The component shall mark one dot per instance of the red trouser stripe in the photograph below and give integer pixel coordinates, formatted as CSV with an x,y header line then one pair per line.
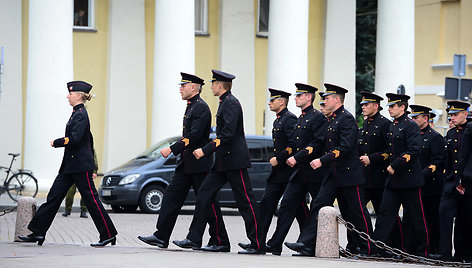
x,y
363,216
91,192
399,222
252,210
216,220
425,227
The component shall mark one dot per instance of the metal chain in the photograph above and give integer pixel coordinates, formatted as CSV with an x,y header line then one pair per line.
x,y
395,251
7,210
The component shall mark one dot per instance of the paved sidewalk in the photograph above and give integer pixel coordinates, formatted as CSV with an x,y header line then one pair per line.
x,y
67,243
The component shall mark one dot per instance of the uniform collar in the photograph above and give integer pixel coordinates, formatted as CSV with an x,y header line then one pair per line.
x,y
462,126
426,128
193,99
225,95
78,106
339,110
282,113
307,109
401,118
377,114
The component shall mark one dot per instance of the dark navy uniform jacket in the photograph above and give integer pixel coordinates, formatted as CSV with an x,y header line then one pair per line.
x,y
195,134
454,139
342,155
465,160
307,143
432,160
372,143
404,147
282,131
78,143
231,152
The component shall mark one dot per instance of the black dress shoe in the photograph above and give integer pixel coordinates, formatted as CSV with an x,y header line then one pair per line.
x,y
273,250
304,253
154,241
66,213
186,243
216,248
244,245
297,246
105,242
83,214
440,257
252,251
32,238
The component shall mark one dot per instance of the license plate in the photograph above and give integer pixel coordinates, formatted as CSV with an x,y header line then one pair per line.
x,y
106,192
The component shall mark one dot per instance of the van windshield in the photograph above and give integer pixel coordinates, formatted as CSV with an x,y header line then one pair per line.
x,y
154,152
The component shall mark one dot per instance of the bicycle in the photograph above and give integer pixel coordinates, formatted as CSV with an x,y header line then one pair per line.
x,y
21,183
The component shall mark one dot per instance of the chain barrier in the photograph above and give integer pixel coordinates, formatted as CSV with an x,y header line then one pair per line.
x,y
7,210
405,257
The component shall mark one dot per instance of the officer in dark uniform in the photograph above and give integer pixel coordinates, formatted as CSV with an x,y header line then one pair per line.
x,y
231,163
372,147
282,132
307,143
432,160
189,172
454,199
322,109
344,179
405,177
77,167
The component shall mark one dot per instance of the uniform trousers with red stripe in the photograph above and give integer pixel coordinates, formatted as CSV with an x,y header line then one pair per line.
x,y
410,198
293,200
173,201
242,190
43,218
351,205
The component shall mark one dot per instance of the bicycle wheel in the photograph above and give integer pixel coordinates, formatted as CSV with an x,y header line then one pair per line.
x,y
22,184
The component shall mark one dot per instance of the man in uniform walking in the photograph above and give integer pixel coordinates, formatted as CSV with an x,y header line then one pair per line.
x,y
405,177
308,143
231,163
432,160
190,172
344,178
282,133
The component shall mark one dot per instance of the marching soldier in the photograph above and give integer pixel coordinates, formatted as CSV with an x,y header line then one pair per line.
x,y
190,172
454,200
231,163
344,178
308,143
405,176
322,109
282,132
77,167
432,159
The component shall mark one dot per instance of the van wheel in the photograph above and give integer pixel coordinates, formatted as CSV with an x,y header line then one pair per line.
x,y
124,209
151,199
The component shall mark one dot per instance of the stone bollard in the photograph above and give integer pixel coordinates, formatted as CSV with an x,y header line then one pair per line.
x,y
24,213
327,239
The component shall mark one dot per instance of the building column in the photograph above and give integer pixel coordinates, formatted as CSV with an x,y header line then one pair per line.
x,y
395,59
125,130
174,52
50,67
237,45
287,61
11,97
339,66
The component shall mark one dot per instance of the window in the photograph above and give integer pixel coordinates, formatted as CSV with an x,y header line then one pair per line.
x,y
255,151
263,18
201,17
84,15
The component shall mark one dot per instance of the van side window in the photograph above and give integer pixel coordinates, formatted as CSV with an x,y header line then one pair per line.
x,y
172,161
255,151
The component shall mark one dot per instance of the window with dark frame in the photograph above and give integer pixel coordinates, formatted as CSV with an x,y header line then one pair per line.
x,y
263,18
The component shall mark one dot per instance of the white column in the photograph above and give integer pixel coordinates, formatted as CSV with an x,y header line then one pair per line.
x,y
237,45
339,66
287,62
125,131
50,67
174,52
11,97
395,59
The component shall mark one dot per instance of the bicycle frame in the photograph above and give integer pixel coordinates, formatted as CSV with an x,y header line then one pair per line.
x,y
8,170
